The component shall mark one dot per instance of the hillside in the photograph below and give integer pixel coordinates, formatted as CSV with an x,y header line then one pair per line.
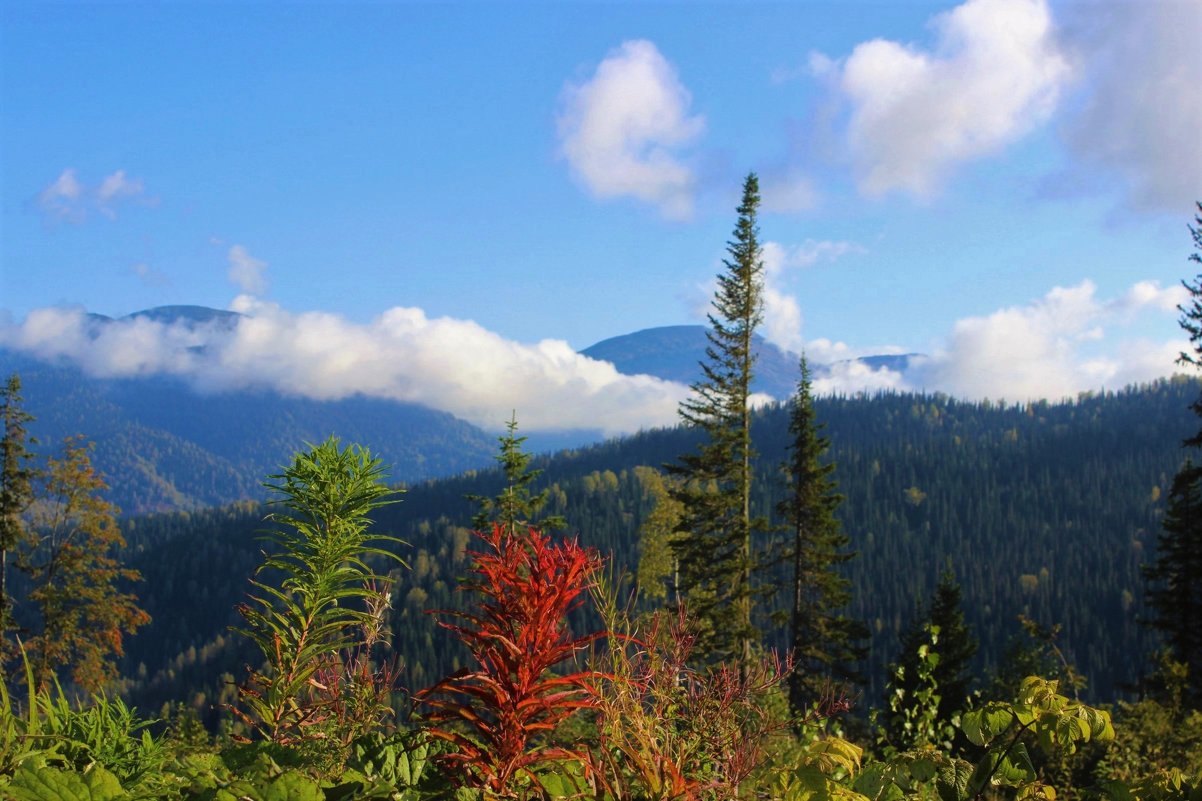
x,y
165,447
1047,510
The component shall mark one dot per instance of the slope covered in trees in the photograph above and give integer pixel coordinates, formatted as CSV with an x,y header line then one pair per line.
x,y
1045,509
166,447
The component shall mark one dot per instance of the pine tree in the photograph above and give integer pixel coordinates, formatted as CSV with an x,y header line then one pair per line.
x,y
516,505
824,640
16,494
714,542
76,576
1175,591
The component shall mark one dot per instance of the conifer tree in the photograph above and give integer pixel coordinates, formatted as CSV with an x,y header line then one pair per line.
x,y
714,542
16,494
825,642
1175,591
516,505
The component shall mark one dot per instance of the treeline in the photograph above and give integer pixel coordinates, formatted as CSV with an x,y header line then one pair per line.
x,y
1044,509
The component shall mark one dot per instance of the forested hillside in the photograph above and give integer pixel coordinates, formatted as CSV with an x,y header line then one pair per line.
x,y
1044,509
164,446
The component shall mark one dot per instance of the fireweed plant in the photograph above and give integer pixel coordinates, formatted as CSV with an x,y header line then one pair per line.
x,y
317,628
496,714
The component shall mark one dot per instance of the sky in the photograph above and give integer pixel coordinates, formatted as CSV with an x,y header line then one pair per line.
x,y
444,202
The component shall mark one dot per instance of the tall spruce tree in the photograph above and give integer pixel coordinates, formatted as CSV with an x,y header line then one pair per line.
x,y
714,540
825,642
16,494
1175,578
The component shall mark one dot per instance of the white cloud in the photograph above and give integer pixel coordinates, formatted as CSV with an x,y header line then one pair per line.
x,y
995,73
1053,347
70,200
60,200
247,272
448,364
849,377
1145,294
620,131
1142,118
115,187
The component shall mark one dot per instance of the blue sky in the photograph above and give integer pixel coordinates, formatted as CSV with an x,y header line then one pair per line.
x,y
441,202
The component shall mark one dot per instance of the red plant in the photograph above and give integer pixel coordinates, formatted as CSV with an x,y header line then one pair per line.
x,y
518,635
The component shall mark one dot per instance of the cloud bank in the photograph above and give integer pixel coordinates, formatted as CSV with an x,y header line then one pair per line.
x,y
1053,347
621,130
444,363
995,73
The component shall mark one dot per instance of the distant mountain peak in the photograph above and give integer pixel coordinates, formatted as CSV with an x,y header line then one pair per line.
x,y
673,352
191,315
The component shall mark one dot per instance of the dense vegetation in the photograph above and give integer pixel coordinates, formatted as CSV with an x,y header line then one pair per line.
x,y
1046,510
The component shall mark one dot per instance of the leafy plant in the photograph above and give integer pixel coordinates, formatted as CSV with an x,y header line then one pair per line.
x,y
329,602
495,713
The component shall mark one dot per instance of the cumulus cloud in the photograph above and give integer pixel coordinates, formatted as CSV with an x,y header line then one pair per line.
x,y
1053,347
248,273
622,129
67,199
995,73
1142,116
444,363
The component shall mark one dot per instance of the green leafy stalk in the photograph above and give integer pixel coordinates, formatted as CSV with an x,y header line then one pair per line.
x,y
327,597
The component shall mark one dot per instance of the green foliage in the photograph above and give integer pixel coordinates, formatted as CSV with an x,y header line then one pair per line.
x,y
714,548
330,601
929,685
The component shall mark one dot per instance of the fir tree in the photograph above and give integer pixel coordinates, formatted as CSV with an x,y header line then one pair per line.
x,y
516,505
714,541
16,494
1175,591
823,639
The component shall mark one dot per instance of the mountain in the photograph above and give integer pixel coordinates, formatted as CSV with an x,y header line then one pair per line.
x,y
163,446
673,353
